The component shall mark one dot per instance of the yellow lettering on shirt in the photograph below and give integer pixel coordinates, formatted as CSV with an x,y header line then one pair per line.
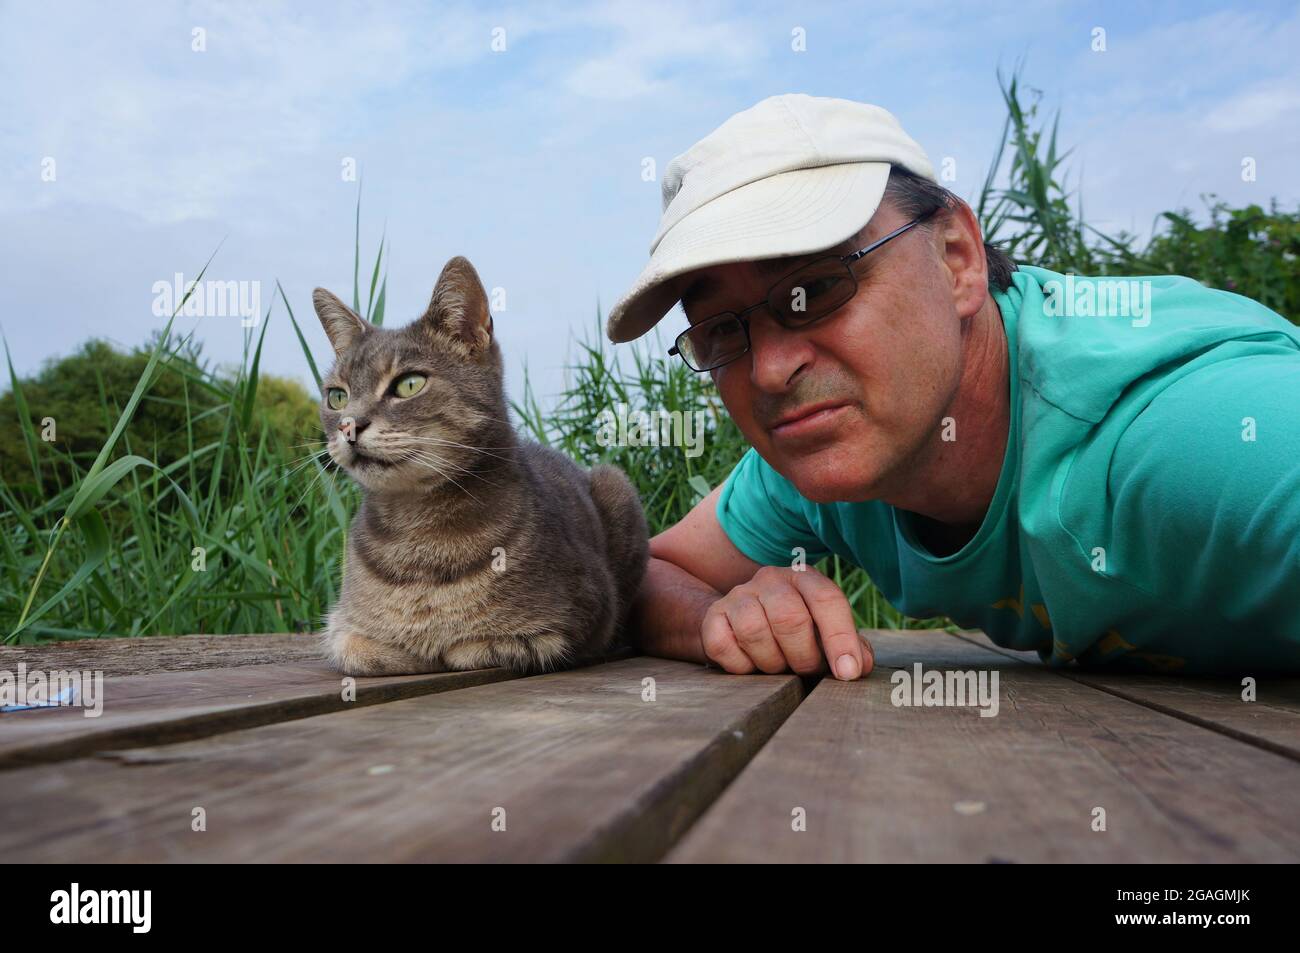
x,y
1013,603
1017,605
1112,641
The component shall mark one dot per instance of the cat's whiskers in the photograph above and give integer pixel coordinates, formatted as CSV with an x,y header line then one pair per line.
x,y
298,463
486,416
427,452
404,437
441,442
414,457
334,476
293,466
320,471
467,445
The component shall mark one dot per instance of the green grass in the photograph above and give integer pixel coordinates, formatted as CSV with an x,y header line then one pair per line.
x,y
238,534
242,530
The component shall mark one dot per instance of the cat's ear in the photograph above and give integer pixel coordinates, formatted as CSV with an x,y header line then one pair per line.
x,y
342,325
459,306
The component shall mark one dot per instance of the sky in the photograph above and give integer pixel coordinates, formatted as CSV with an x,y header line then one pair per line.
x,y
137,138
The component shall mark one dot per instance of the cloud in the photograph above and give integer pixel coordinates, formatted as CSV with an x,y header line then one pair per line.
x,y
1254,109
136,118
649,49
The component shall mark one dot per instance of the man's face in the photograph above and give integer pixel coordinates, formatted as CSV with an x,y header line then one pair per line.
x,y
841,407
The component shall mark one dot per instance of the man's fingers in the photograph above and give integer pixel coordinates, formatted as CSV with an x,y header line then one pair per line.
x,y
792,626
834,619
780,621
868,655
720,644
753,633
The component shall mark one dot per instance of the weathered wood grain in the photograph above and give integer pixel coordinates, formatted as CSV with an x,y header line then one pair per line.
x,y
163,653
179,706
1271,721
583,766
886,783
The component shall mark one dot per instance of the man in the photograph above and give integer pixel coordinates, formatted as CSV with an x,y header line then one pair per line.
x,y
1105,470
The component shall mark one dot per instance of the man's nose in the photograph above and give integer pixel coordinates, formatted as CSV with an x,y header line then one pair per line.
x,y
776,354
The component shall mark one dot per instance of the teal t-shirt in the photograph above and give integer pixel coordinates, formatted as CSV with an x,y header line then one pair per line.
x,y
1147,515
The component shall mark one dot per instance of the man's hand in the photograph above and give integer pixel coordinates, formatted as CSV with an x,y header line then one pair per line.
x,y
785,618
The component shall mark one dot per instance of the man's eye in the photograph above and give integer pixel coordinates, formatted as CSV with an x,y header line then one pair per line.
x,y
814,288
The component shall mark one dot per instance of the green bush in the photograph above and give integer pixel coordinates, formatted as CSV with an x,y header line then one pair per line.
x,y
1243,250
82,394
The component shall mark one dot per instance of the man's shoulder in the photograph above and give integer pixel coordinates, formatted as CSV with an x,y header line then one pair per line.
x,y
1221,430
1082,341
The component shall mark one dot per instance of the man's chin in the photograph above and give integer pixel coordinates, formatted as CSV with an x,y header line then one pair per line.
x,y
837,491
828,480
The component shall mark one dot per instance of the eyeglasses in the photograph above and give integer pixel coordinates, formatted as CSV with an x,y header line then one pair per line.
x,y
810,292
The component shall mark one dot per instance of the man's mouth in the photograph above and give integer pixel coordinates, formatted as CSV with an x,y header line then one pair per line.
x,y
810,419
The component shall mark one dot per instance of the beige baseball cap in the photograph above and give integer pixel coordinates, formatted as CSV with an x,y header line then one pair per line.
x,y
792,175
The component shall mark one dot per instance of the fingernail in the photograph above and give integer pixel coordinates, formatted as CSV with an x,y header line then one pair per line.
x,y
846,667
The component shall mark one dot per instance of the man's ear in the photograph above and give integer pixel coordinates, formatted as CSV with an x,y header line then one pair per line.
x,y
459,306
342,325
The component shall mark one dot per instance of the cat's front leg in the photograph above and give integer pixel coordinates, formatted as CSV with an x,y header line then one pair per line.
x,y
355,654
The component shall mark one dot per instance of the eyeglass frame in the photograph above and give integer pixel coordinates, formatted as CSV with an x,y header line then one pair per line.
x,y
848,260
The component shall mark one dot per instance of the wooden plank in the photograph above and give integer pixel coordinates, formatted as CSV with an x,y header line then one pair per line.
x,y
179,706
942,784
163,653
1271,721
583,765
901,648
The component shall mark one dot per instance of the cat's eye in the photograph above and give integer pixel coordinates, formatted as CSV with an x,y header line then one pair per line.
x,y
408,385
337,398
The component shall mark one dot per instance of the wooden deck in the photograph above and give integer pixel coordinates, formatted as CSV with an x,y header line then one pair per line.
x,y
638,759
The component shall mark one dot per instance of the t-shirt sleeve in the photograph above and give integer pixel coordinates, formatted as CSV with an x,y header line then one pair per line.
x,y
1209,476
763,514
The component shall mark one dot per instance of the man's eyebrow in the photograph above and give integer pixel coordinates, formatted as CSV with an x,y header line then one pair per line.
x,y
775,267
706,285
701,287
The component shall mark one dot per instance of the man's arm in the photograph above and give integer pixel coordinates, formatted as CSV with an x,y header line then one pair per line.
x,y
704,600
692,564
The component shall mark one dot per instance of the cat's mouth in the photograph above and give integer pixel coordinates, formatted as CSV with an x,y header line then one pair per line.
x,y
360,457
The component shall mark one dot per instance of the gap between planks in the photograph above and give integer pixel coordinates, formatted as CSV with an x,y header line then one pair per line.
x,y
588,769
879,782
1271,723
204,703
181,695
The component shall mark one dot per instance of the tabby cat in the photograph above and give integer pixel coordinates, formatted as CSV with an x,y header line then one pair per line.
x,y
473,547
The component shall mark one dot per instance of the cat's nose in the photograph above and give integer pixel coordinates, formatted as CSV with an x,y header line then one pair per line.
x,y
355,424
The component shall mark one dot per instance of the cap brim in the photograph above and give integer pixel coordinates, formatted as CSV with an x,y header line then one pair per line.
x,y
791,213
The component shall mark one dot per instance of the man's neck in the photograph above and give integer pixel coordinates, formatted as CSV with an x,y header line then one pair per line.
x,y
953,481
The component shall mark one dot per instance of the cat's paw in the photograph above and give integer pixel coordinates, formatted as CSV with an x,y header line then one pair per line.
x,y
354,654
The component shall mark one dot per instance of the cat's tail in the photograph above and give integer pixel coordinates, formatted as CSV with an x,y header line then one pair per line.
x,y
626,534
